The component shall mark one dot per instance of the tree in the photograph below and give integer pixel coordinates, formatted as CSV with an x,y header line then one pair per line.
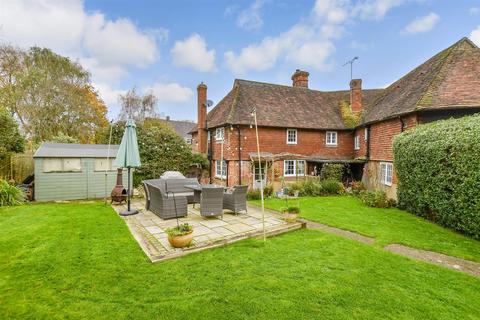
x,y
49,94
136,106
10,138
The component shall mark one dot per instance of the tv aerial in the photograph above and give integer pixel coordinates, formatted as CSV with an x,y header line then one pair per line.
x,y
350,62
208,103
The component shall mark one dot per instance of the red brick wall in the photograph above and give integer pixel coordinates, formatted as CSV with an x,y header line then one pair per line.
x,y
362,152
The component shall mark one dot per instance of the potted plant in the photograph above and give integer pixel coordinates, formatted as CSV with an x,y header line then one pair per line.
x,y
180,236
290,214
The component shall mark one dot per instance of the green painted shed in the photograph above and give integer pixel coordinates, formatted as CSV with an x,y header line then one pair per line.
x,y
68,171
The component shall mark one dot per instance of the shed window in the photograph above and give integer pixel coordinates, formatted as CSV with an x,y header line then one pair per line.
x,y
62,165
386,173
101,164
331,138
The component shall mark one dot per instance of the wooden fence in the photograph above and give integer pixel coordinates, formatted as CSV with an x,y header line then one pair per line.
x,y
16,167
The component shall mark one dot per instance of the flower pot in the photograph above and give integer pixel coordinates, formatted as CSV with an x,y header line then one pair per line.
x,y
181,241
290,217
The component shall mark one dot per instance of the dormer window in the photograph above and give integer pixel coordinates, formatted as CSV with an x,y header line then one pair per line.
x,y
291,136
219,134
331,138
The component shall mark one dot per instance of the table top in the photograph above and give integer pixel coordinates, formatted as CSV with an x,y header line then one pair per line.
x,y
202,186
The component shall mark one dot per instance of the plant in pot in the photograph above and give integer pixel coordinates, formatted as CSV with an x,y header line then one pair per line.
x,y
290,214
180,236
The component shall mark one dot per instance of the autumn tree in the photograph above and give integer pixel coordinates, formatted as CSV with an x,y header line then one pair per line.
x,y
49,94
137,106
10,138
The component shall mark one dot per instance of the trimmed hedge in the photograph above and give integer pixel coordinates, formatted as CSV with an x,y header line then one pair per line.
x,y
438,171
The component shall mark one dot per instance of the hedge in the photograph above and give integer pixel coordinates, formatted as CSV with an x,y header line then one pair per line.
x,y
438,171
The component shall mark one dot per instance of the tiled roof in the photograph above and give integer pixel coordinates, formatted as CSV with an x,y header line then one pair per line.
x,y
282,106
447,80
182,128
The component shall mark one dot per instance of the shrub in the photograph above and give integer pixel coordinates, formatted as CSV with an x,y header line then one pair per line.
x,y
438,171
332,171
254,194
357,187
268,191
376,198
10,195
330,187
293,210
316,187
179,230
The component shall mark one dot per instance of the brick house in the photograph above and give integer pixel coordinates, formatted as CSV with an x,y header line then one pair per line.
x,y
300,129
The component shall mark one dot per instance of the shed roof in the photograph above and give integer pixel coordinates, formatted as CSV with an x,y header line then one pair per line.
x,y
75,150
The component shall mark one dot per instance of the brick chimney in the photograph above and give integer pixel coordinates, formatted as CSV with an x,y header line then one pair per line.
x,y
356,95
300,79
202,117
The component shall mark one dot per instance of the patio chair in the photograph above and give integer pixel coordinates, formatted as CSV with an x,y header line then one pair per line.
x,y
211,201
147,196
166,205
236,200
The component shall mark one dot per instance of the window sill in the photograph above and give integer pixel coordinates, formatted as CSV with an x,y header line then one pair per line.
x,y
291,143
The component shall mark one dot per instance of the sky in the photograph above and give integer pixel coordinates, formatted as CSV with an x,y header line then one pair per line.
x,y
169,47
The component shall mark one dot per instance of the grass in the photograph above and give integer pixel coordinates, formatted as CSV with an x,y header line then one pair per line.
x,y
80,261
385,225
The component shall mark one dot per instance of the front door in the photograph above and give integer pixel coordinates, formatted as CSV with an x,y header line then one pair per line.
x,y
257,180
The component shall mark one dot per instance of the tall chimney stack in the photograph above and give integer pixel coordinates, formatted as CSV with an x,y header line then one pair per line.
x,y
202,117
300,79
356,95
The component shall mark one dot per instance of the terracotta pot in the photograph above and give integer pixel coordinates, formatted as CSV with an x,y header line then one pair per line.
x,y
181,241
290,217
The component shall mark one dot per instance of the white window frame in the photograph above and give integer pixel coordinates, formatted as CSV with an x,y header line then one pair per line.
x,y
386,173
288,136
366,134
101,164
222,173
188,140
356,142
295,168
220,134
331,134
62,164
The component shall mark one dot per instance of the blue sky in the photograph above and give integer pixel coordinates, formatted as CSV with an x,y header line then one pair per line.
x,y
170,46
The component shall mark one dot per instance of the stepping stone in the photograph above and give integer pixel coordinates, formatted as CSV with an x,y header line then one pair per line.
x,y
213,223
154,230
239,227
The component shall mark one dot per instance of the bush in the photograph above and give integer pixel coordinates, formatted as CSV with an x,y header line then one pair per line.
x,y
268,191
357,187
438,171
330,187
332,171
316,187
254,194
293,210
376,199
10,195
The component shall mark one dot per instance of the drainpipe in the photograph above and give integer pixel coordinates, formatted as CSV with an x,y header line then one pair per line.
x,y
239,156
367,155
209,152
403,124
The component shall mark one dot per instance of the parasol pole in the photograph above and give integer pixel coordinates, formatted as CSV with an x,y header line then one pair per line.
x,y
254,114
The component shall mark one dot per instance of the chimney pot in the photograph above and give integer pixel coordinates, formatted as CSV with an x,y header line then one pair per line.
x,y
300,79
168,118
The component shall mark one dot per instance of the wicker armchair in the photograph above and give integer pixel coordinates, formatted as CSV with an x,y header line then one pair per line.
x,y
211,201
236,200
166,205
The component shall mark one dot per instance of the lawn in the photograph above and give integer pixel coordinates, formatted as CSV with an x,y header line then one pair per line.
x,y
385,225
80,261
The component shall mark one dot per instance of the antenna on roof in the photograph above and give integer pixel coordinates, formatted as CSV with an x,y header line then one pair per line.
x,y
208,103
350,62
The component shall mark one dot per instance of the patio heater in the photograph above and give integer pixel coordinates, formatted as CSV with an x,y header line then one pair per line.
x,y
254,115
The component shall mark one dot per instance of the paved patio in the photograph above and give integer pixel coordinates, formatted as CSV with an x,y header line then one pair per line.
x,y
149,230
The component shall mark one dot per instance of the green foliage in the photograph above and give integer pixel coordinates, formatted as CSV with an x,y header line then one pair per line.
x,y
161,149
332,171
294,210
357,187
316,187
10,195
376,199
49,94
10,138
438,170
63,138
268,191
179,230
254,194
350,119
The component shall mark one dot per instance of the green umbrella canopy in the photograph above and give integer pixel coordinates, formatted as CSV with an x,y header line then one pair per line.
x,y
128,155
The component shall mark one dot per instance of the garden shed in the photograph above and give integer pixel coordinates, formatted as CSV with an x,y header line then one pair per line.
x,y
68,171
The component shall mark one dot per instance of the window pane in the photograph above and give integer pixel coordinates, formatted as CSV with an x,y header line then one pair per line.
x,y
301,167
102,164
289,167
72,164
52,165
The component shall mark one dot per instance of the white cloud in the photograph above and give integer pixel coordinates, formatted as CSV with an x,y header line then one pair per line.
x,y
313,54
375,9
170,92
249,18
475,36
106,48
474,10
192,52
423,24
